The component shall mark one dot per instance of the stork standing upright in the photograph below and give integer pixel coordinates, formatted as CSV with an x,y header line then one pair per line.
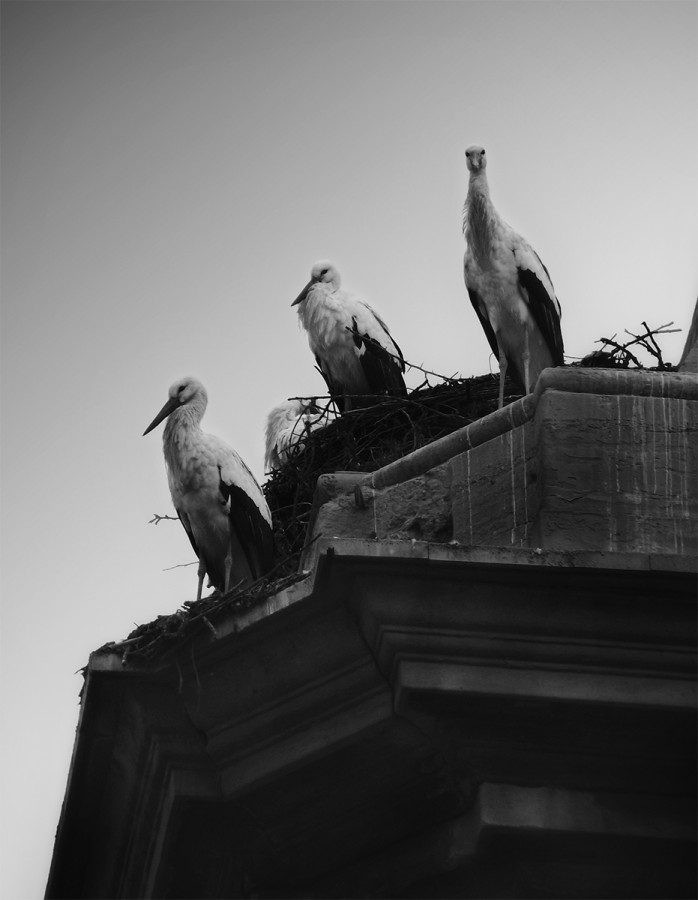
x,y
288,425
351,343
218,501
509,287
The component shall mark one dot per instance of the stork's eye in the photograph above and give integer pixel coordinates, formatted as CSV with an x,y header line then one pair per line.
x,y
181,388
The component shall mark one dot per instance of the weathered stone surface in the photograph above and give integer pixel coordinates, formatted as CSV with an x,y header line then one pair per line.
x,y
341,516
612,468
495,492
419,509
620,472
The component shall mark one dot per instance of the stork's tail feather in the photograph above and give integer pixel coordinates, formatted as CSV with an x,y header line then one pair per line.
x,y
251,529
383,369
545,312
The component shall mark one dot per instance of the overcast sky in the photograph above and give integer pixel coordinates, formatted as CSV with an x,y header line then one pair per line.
x,y
171,171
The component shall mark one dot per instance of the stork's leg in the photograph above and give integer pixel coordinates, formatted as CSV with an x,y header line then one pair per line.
x,y
526,360
503,364
228,570
201,572
229,556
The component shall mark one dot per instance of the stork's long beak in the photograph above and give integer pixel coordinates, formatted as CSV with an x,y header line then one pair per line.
x,y
304,293
168,408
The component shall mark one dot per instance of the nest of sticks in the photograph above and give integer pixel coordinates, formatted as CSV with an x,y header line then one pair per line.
x,y
615,354
368,438
154,639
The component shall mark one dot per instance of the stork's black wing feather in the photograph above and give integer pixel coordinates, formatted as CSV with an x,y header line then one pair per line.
x,y
334,388
251,528
480,309
184,519
543,310
382,370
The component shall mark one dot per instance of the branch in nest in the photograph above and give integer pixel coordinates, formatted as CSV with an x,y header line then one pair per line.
x,y
157,519
648,342
620,355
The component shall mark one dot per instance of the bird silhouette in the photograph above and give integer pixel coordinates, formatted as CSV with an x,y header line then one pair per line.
x,y
351,343
509,287
218,501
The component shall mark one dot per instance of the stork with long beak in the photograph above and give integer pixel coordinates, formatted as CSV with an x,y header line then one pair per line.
x,y
218,501
509,287
351,343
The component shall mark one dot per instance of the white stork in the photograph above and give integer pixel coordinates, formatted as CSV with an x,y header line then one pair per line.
x,y
351,343
288,425
509,287
218,501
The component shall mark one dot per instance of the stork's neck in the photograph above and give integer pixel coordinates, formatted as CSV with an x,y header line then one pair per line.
x,y
182,434
479,217
313,311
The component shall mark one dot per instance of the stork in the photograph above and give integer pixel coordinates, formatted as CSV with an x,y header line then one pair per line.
x,y
218,501
288,425
509,287
351,343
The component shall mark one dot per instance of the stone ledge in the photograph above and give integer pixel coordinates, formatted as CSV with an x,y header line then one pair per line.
x,y
635,383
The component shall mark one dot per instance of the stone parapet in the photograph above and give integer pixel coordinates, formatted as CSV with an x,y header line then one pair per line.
x,y
594,460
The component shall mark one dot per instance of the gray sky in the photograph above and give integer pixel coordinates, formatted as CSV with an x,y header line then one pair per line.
x,y
171,171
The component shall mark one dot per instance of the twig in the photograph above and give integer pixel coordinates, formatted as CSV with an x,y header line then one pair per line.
x,y
157,519
648,342
620,356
